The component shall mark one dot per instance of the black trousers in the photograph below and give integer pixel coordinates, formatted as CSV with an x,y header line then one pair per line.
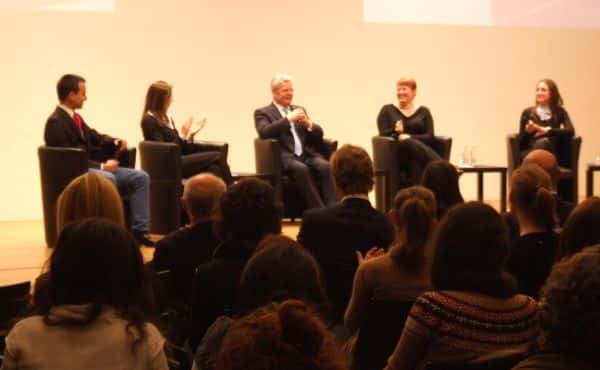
x,y
414,156
305,170
210,161
544,143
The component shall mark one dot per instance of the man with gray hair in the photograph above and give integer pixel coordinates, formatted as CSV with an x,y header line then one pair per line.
x,y
183,250
299,138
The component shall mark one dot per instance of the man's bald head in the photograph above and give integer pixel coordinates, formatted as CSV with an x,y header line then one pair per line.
x,y
200,194
547,161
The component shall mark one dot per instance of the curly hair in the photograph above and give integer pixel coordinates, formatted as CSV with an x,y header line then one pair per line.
x,y
352,170
248,210
286,336
570,307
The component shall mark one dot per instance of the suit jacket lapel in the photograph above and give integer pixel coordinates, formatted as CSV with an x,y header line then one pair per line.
x,y
72,127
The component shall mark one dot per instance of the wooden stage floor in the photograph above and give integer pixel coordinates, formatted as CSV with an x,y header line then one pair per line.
x,y
23,250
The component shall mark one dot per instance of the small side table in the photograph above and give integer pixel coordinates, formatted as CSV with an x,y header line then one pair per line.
x,y
589,178
237,176
480,169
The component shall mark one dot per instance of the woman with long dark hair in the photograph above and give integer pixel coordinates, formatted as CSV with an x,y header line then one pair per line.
x,y
474,313
544,123
157,125
96,312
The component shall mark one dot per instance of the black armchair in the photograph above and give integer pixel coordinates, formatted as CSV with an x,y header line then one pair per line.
x,y
267,153
567,155
162,162
58,166
385,160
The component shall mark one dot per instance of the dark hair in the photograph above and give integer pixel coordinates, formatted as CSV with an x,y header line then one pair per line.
x,y
352,170
287,336
581,229
570,307
441,177
98,262
281,269
531,193
556,100
248,210
68,83
414,210
471,249
156,97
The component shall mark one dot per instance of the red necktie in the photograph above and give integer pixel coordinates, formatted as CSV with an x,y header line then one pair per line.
x,y
78,122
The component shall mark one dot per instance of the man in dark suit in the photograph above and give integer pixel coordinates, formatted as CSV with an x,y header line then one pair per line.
x,y
547,161
299,137
336,236
183,250
66,128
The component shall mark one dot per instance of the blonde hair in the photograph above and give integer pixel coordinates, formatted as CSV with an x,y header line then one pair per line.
x,y
89,196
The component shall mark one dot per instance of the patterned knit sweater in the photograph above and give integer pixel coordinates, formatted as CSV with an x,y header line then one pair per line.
x,y
465,327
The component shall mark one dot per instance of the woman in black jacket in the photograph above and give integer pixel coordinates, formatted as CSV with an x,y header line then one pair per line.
x,y
158,126
542,125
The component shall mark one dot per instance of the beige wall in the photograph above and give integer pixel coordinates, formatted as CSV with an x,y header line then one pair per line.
x,y
220,56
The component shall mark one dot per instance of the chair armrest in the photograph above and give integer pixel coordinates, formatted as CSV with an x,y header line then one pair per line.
x,y
442,146
328,148
128,158
58,166
216,146
267,154
513,152
575,150
162,161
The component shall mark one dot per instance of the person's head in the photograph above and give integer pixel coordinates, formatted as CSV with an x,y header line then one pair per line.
x,y
158,99
97,262
531,197
89,196
281,269
471,249
413,216
352,170
569,313
441,177
547,161
282,89
248,210
71,91
546,93
406,90
286,336
581,229
200,194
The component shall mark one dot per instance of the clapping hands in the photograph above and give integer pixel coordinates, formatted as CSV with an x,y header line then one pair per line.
x,y
371,253
191,127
